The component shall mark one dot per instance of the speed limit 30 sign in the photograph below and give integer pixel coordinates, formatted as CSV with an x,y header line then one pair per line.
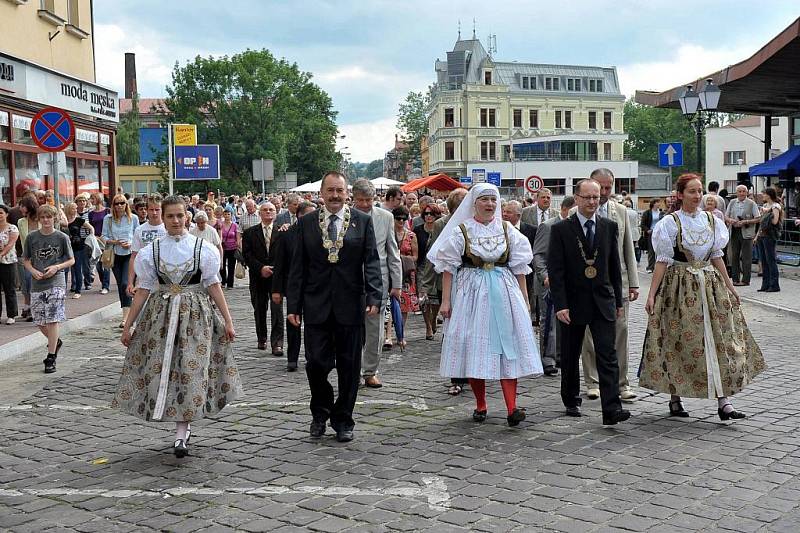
x,y
533,184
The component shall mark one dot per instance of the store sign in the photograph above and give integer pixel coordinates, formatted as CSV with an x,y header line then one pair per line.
x,y
185,135
36,84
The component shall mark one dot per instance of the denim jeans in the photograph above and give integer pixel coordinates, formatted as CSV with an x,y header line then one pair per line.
x,y
86,266
105,275
769,263
76,270
120,270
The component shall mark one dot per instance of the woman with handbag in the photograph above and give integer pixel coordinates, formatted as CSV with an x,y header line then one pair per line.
x,y
409,251
771,217
77,229
428,302
96,217
118,227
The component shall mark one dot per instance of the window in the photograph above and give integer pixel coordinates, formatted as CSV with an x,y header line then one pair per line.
x,y
599,86
87,141
607,151
5,177
484,120
525,82
592,120
558,119
88,180
21,129
449,151
595,86
557,186
493,151
127,186
105,144
551,84
448,117
529,82
518,118
488,151
487,77
26,169
484,150
733,158
488,118
625,184
607,120
573,84
533,118
568,120
492,118
5,133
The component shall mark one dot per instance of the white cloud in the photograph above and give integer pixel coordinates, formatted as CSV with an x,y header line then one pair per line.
x,y
367,141
689,63
113,41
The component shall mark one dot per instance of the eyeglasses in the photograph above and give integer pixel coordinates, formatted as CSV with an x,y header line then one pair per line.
x,y
120,203
402,219
428,213
589,198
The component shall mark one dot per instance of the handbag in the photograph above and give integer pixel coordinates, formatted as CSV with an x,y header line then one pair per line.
x,y
239,271
107,257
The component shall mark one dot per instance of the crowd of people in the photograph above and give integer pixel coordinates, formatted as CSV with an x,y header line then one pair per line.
x,y
548,286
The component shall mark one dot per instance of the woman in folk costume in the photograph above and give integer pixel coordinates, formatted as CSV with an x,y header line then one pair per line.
x,y
697,343
487,329
179,366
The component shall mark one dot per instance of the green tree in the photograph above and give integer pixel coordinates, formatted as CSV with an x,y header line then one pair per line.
x,y
374,169
128,135
255,106
412,121
648,126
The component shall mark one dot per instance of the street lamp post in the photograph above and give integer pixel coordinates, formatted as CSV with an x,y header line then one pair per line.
x,y
697,109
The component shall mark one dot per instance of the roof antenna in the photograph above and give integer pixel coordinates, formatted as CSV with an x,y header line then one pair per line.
x,y
459,29
473,29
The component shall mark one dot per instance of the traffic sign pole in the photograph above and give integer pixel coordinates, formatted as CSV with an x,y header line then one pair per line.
x,y
54,173
169,149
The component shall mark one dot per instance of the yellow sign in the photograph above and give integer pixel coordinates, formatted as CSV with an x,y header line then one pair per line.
x,y
185,135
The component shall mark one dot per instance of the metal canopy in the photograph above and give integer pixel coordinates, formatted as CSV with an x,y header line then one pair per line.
x,y
767,83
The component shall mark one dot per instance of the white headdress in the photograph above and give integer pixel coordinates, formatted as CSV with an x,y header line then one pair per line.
x,y
465,211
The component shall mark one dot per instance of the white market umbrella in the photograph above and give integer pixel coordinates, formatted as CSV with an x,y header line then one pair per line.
x,y
385,183
308,187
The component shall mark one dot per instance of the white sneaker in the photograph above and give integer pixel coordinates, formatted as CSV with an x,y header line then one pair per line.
x,y
593,394
627,395
103,291
10,321
76,296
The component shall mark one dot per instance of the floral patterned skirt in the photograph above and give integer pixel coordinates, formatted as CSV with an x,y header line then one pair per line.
x,y
202,378
674,355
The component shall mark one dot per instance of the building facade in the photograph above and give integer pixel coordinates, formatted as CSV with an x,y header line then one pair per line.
x,y
557,122
737,146
393,165
47,59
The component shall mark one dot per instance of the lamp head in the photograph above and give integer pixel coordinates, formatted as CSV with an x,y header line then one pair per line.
x,y
709,96
689,101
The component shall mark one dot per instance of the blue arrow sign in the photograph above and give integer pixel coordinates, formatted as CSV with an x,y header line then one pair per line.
x,y
670,154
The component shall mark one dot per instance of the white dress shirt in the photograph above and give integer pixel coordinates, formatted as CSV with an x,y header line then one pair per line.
x,y
339,220
582,219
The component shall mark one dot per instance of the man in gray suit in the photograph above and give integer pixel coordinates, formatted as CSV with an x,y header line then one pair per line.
x,y
550,348
391,274
630,288
536,215
290,215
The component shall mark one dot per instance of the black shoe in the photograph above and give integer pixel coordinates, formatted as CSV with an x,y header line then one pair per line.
x,y
678,410
344,435
516,416
773,289
550,370
733,415
479,416
180,449
49,364
573,411
617,416
291,367
278,354
317,430
762,289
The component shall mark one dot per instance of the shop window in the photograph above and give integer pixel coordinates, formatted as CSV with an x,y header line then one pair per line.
x,y
104,177
66,183
88,175
5,133
127,186
5,177
87,141
105,144
26,173
21,130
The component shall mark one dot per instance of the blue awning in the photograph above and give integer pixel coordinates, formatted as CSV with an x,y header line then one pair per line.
x,y
787,161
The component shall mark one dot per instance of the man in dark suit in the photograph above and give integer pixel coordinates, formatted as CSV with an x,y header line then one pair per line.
x,y
334,279
512,213
586,285
282,250
256,248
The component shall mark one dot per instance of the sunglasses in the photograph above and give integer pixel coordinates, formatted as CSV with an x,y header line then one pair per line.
x,y
401,218
120,203
428,213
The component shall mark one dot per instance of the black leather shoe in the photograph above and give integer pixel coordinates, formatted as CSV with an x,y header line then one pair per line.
x,y
676,409
278,353
550,370
180,449
617,416
479,416
262,345
317,429
344,435
733,415
49,364
292,367
516,416
573,411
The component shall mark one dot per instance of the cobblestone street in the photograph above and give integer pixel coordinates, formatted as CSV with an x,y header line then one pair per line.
x,y
418,462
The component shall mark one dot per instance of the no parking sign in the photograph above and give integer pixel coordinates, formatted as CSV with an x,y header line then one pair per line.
x,y
52,129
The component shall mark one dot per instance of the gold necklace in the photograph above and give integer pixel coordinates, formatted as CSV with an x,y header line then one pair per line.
x,y
333,247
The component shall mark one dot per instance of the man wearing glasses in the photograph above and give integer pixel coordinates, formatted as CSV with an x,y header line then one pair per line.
x,y
586,286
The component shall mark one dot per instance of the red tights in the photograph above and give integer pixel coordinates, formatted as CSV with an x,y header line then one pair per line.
x,y
509,387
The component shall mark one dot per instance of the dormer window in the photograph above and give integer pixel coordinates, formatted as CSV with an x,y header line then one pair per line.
x,y
487,77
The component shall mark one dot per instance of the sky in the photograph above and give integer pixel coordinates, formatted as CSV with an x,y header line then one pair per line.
x,y
368,54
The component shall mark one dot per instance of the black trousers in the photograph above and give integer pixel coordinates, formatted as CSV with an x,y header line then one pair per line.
x,y
603,334
293,340
228,267
8,274
328,346
260,298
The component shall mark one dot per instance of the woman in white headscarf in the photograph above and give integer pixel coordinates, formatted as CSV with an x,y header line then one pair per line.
x,y
487,329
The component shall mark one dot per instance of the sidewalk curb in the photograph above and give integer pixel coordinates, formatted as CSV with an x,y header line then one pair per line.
x,y
771,307
23,345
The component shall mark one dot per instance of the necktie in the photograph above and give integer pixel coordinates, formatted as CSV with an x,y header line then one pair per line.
x,y
268,234
293,218
332,233
542,221
590,232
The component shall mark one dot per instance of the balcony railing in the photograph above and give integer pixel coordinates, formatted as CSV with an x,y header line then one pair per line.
x,y
566,157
